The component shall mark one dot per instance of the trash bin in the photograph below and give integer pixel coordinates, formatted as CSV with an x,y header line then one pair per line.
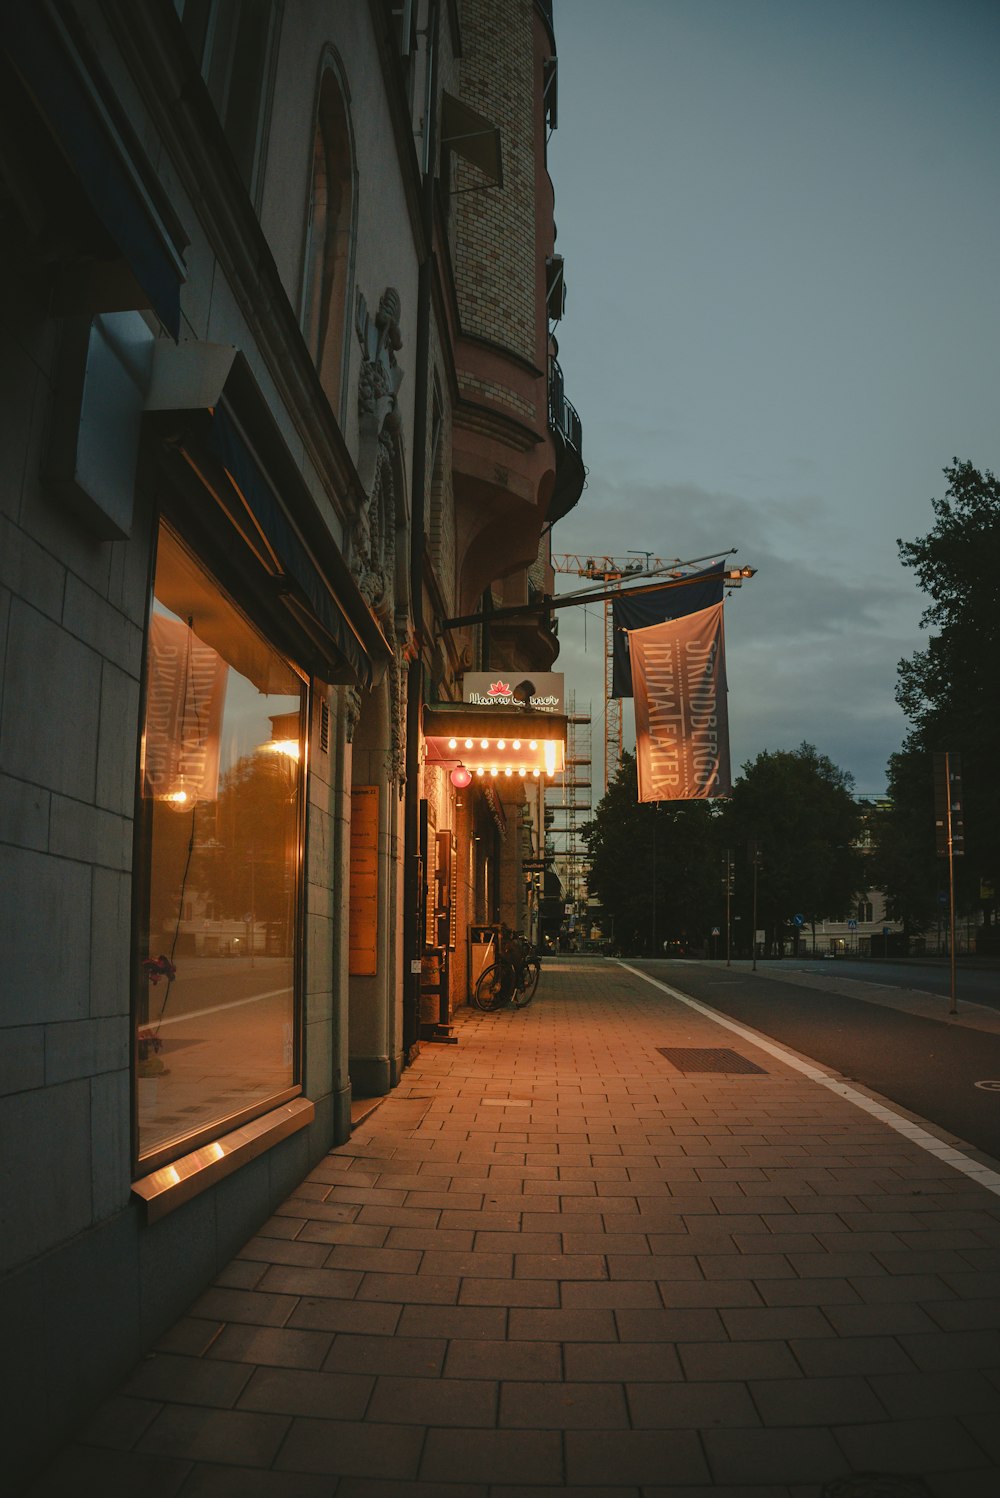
x,y
484,947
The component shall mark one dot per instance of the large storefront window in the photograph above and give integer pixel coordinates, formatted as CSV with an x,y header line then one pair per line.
x,y
219,865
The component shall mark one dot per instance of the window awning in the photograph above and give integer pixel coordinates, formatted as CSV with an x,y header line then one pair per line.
x,y
262,491
472,136
495,744
109,166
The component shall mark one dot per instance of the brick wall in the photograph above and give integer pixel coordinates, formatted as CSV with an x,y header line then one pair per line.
x,y
496,239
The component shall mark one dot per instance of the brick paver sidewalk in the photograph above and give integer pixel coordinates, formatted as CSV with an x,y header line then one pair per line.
x,y
554,1262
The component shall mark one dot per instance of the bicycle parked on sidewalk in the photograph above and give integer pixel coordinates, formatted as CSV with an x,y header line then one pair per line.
x,y
512,978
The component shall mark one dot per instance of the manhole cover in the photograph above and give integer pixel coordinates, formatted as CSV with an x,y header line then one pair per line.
x,y
876,1485
706,1059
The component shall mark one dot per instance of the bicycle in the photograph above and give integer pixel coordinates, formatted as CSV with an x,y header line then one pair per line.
x,y
512,979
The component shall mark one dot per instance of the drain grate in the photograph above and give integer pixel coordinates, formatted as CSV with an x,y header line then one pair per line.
x,y
691,1058
876,1485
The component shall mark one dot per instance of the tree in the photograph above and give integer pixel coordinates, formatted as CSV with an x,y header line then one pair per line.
x,y
797,807
903,864
948,693
654,866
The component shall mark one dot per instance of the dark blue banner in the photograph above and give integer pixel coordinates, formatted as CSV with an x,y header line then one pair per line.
x,y
655,608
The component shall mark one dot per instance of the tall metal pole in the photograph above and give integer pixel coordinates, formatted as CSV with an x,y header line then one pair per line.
x,y
953,1009
754,847
729,899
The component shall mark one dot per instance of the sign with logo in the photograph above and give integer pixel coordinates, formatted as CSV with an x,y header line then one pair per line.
x,y
542,691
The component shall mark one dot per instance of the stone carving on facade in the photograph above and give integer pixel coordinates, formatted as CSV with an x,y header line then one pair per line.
x,y
379,380
352,711
374,533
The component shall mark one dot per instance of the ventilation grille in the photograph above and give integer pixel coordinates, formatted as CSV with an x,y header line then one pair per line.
x,y
705,1059
324,727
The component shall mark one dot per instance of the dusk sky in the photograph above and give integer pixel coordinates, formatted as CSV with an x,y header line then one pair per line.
x,y
781,228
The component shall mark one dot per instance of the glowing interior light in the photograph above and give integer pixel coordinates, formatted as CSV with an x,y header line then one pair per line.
x,y
452,743
517,743
176,798
468,743
536,773
480,772
550,756
508,771
532,743
484,743
522,772
288,747
494,770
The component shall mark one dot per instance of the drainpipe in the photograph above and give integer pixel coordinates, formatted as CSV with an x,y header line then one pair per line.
x,y
412,869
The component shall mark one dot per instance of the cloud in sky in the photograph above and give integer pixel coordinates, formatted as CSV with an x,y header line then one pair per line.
x,y
781,224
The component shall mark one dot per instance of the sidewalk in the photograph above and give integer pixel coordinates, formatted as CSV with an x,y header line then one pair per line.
x,y
555,1262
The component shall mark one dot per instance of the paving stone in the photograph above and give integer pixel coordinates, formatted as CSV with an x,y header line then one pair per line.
x,y
438,1402
772,1456
586,1325
208,1435
816,1401
737,1360
341,1448
418,1356
298,1391
281,1347
638,1456
618,1361
922,1446
921,1395
563,1405
492,1456
663,1405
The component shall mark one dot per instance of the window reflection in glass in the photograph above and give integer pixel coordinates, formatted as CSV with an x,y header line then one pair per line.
x,y
221,786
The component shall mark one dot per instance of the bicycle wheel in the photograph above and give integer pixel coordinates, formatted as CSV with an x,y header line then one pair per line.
x,y
489,990
530,973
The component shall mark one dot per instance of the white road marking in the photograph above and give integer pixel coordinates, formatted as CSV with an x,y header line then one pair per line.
x,y
182,1019
911,1131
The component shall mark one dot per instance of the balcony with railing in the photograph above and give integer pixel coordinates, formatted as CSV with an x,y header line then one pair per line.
x,y
567,429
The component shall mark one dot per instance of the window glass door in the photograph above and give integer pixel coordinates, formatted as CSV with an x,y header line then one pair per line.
x,y
220,853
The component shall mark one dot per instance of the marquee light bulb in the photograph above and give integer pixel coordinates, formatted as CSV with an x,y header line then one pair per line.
x,y
452,743
501,743
468,743
484,743
532,743
517,743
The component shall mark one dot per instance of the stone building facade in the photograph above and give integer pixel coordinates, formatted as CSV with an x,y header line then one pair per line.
x,y
277,407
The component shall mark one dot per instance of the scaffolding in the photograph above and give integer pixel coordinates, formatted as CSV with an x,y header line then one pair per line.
x,y
568,805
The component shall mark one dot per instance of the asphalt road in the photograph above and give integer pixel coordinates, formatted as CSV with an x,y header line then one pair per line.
x,y
973,984
928,1066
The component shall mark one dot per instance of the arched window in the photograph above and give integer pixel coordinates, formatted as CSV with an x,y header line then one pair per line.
x,y
329,256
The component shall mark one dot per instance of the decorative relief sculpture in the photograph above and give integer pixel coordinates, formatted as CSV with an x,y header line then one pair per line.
x,y
379,380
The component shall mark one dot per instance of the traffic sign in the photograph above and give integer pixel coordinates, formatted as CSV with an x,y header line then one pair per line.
x,y
799,920
852,925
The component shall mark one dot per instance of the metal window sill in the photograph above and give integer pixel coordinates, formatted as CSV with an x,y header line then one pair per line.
x,y
173,1185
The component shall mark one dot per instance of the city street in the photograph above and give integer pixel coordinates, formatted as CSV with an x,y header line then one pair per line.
x,y
859,1020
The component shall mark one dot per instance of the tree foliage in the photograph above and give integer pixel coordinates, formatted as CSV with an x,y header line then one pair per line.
x,y
948,693
653,866
657,868
798,809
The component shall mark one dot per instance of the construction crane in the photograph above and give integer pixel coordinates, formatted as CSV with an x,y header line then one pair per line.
x,y
608,569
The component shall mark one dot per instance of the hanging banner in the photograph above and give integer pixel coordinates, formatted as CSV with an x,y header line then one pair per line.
x,y
640,612
185,697
681,717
